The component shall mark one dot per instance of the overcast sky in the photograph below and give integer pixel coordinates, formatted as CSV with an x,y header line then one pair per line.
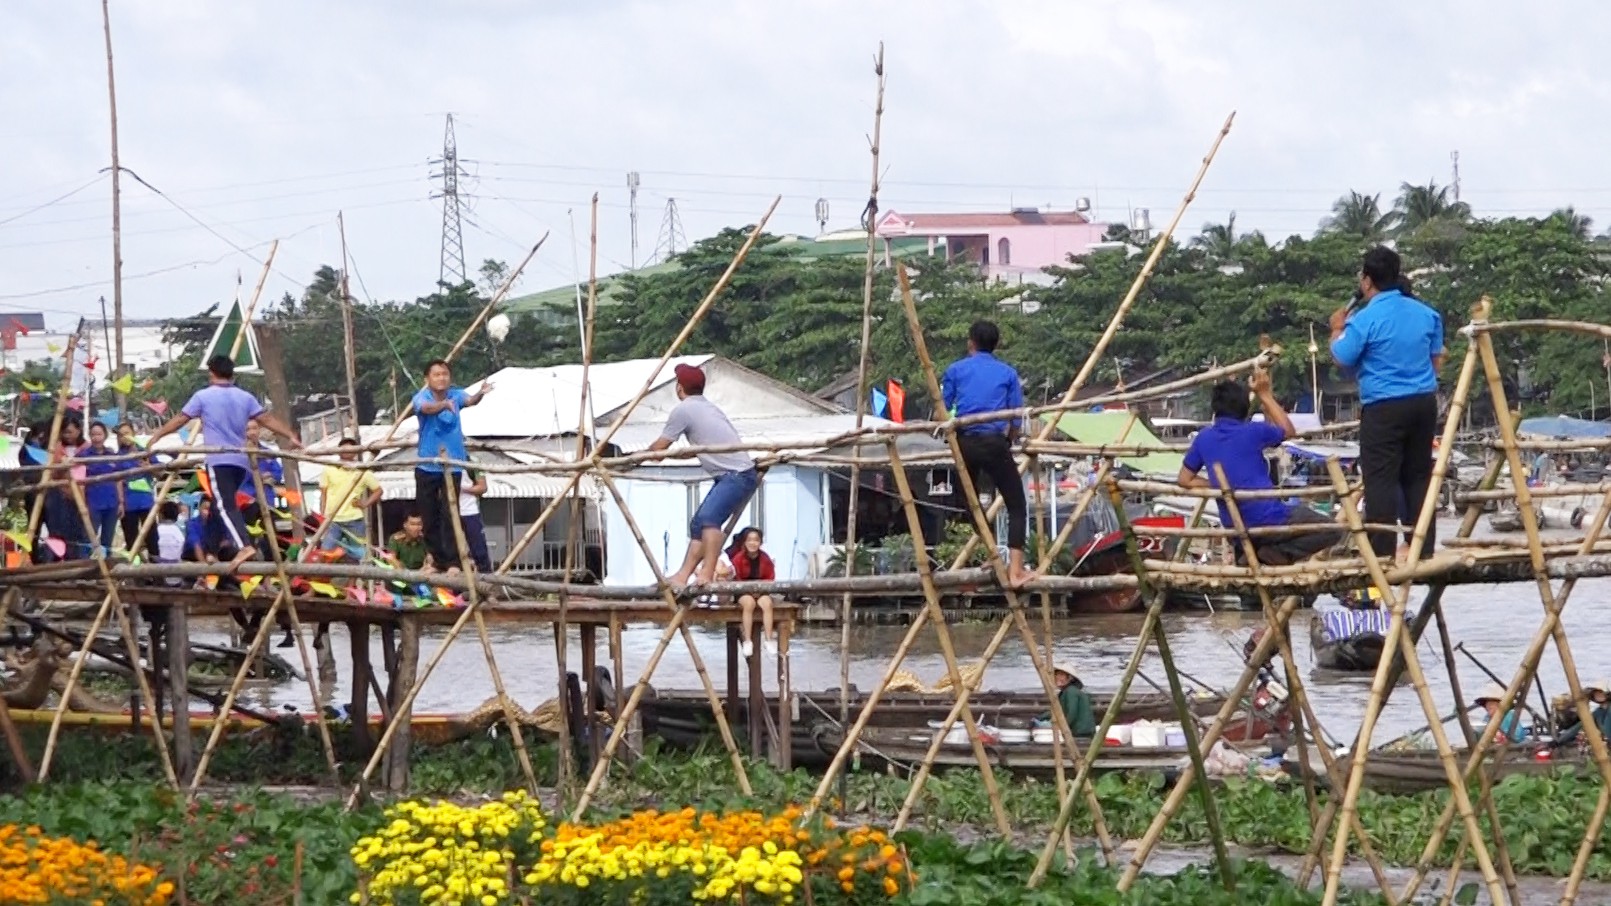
x,y
260,120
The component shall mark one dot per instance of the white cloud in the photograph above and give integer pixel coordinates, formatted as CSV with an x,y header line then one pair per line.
x,y
264,119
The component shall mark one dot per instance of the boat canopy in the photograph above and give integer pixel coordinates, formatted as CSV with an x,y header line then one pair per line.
x,y
1320,451
1564,426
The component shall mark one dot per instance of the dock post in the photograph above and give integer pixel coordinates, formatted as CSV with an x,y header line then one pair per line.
x,y
408,660
590,714
783,755
358,706
177,641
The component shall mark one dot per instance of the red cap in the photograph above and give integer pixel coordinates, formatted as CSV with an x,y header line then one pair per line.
x,y
690,378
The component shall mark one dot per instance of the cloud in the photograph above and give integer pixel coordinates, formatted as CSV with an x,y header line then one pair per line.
x,y
263,120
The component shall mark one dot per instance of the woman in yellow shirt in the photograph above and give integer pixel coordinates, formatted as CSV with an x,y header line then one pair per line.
x,y
347,496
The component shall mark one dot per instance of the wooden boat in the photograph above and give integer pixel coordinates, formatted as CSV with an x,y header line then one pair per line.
x,y
902,747
1105,555
1348,640
682,718
1420,771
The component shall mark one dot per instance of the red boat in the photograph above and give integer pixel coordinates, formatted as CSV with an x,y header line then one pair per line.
x,y
1104,555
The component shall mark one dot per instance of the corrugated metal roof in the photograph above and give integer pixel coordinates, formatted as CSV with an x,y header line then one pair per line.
x,y
536,402
794,432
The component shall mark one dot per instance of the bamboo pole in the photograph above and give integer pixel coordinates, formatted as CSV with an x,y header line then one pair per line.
x,y
131,645
511,717
931,597
649,382
349,338
278,557
870,224
1300,697
1188,722
1117,320
117,210
1398,637
677,626
567,768
63,393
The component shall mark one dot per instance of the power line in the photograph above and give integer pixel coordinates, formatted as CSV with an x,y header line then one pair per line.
x,y
53,201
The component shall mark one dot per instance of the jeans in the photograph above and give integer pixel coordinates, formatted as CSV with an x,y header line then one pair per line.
x,y
103,521
352,537
991,454
475,536
725,500
1395,460
437,507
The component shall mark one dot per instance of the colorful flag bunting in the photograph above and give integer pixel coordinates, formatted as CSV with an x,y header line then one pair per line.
x,y
897,401
124,384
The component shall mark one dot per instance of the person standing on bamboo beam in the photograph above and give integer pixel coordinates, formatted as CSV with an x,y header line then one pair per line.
x,y
441,437
1237,445
983,383
1394,344
706,425
226,411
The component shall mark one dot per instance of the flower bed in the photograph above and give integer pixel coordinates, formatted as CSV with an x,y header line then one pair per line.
x,y
35,868
448,855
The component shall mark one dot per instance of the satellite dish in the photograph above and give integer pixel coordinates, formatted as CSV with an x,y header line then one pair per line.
x,y
1082,205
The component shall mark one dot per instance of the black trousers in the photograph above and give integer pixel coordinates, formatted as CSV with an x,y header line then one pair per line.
x,y
991,454
1395,460
131,527
437,496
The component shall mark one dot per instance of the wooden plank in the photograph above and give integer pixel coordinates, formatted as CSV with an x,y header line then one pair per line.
x,y
590,719
732,670
783,755
358,706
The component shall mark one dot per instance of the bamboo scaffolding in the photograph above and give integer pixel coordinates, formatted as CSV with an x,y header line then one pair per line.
x,y
1188,722
1553,603
1299,696
542,519
853,503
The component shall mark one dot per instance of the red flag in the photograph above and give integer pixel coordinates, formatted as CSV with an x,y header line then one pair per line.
x,y
160,407
76,404
897,400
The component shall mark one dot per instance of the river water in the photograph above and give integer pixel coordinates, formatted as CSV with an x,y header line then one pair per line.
x,y
1493,622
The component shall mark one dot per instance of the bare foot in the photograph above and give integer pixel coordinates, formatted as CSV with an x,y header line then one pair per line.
x,y
704,578
677,580
246,554
1018,578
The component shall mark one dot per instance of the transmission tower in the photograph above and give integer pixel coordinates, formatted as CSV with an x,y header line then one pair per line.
x,y
671,239
448,171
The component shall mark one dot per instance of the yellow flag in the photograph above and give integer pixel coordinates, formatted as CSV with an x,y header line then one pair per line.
x,y
52,347
123,384
34,386
20,539
326,589
249,585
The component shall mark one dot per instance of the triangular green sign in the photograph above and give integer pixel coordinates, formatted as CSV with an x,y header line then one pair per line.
x,y
224,341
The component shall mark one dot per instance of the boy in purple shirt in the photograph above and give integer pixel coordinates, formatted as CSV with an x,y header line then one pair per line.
x,y
225,411
1237,446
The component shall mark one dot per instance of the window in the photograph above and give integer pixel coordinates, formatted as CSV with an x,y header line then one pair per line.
x,y
1003,252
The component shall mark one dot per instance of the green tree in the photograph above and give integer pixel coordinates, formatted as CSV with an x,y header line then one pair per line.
x,y
1418,206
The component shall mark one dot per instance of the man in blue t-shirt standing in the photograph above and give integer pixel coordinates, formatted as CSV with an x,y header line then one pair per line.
x,y
441,442
983,383
1237,446
225,411
1395,347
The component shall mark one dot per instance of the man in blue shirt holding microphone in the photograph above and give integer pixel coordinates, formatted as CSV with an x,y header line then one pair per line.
x,y
983,383
1394,345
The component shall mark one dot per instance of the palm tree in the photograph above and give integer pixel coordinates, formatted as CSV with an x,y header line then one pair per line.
x,y
1580,225
1358,214
1418,206
1221,242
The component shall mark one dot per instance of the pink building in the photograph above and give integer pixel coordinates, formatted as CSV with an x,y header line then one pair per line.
x,y
1013,247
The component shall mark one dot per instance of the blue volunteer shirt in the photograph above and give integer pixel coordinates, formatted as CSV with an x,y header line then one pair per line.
x,y
1389,344
441,435
1239,447
981,383
268,467
101,495
202,533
